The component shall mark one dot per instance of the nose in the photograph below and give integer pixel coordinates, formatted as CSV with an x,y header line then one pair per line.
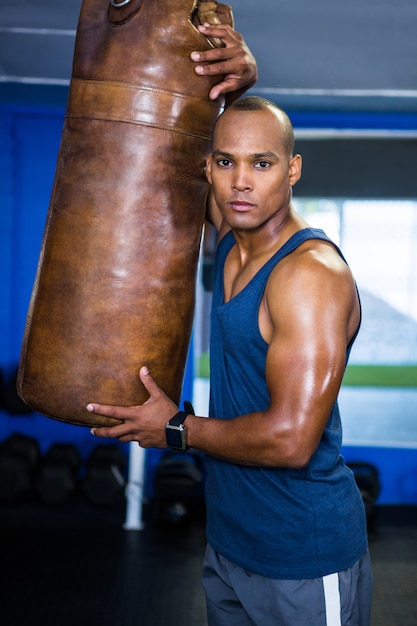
x,y
242,179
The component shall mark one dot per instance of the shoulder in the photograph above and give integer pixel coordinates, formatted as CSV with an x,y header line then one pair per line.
x,y
311,282
313,260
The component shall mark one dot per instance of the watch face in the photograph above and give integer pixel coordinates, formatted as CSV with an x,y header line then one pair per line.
x,y
175,436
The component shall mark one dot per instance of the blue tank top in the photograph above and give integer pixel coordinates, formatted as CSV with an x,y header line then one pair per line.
x,y
277,522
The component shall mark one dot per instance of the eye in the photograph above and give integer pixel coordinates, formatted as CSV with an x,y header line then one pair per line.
x,y
223,162
262,165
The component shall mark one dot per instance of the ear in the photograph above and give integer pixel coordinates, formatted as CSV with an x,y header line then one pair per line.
x,y
208,168
294,169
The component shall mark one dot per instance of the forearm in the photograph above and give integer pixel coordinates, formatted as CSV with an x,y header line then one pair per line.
x,y
252,439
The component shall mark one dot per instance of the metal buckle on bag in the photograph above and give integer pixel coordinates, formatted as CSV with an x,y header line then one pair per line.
x,y
117,5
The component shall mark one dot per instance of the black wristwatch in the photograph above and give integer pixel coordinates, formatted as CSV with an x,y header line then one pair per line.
x,y
175,429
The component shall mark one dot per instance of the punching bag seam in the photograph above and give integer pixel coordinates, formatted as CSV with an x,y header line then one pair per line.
x,y
137,123
145,106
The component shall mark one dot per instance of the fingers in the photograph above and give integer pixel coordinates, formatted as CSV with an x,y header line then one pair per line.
x,y
223,88
148,382
235,61
124,412
229,37
112,432
117,412
109,432
144,423
226,33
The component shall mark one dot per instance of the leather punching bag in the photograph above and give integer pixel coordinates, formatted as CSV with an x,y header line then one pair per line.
x,y
116,277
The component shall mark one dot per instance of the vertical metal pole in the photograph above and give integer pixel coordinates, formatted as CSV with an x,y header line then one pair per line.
x,y
135,488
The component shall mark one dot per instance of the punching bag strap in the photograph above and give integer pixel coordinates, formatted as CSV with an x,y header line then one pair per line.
x,y
207,12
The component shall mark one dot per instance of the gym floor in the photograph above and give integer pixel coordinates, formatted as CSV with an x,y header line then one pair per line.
x,y
74,564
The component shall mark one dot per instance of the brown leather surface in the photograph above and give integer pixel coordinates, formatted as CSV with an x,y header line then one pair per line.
x,y
116,277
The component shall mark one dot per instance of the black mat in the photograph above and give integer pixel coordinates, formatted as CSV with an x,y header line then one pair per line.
x,y
74,565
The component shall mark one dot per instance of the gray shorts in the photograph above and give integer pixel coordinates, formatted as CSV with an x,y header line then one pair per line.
x,y
236,597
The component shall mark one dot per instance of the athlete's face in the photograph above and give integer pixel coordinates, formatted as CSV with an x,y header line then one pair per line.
x,y
250,169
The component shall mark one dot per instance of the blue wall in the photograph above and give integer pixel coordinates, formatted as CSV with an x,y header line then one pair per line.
x,y
30,131
397,469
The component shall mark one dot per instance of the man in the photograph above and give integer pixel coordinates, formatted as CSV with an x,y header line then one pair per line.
x,y
286,527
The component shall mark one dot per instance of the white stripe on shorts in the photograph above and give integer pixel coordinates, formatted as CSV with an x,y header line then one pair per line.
x,y
332,599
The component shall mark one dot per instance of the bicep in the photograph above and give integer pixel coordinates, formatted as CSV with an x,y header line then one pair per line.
x,y
306,360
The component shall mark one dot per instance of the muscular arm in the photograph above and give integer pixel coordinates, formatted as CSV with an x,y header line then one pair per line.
x,y
310,328
307,331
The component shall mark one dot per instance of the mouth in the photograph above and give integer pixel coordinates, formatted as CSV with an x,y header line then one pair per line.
x,y
240,205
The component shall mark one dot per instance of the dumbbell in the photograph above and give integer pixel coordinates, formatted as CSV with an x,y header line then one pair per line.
x,y
104,481
19,457
178,486
57,476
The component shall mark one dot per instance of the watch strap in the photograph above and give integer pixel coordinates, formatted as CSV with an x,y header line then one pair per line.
x,y
188,407
176,423
178,418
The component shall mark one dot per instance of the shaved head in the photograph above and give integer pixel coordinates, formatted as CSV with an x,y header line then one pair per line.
x,y
256,103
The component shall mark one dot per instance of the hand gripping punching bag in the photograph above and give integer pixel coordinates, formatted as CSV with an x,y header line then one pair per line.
x,y
116,277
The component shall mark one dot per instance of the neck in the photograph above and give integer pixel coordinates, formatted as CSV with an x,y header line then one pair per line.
x,y
265,240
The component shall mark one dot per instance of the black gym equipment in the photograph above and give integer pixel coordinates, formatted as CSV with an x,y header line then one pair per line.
x,y
367,480
19,457
104,481
57,476
179,487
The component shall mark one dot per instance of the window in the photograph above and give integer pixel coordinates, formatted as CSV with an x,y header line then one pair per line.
x,y
378,400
